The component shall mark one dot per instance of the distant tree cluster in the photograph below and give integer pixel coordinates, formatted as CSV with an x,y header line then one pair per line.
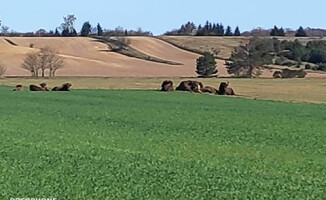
x,y
40,62
247,58
216,30
301,32
277,32
186,29
313,52
119,31
209,29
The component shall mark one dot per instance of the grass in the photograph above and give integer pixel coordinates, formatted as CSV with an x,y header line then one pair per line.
x,y
127,50
113,144
290,90
202,44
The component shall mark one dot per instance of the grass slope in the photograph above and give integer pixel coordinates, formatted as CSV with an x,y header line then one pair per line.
x,y
119,47
111,144
199,45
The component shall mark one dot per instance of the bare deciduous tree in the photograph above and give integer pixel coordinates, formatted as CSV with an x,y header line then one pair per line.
x,y
31,64
55,63
4,30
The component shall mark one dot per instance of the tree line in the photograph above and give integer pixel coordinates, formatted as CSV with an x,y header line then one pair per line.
x,y
209,29
66,29
247,59
218,29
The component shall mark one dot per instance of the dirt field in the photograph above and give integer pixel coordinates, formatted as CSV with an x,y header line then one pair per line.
x,y
290,90
87,57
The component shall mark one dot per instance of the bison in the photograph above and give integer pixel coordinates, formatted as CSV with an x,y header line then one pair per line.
x,y
63,87
209,89
18,88
224,89
167,86
190,86
37,88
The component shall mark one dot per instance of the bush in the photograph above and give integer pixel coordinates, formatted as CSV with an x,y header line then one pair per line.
x,y
288,73
308,66
322,66
279,60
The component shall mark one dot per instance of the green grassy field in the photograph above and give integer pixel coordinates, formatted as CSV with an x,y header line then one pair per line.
x,y
289,90
113,144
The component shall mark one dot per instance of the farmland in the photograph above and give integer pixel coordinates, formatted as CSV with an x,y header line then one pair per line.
x,y
137,144
290,90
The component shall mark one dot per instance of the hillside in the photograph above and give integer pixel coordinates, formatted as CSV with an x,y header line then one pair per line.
x,y
201,44
87,57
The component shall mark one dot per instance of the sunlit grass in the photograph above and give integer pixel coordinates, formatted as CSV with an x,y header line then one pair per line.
x,y
111,144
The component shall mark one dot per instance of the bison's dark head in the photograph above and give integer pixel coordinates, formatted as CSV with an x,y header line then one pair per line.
x,y
43,85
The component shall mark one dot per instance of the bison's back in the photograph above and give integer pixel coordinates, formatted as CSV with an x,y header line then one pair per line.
x,y
35,88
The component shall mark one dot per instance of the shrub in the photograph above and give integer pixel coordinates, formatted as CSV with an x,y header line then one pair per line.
x,y
279,60
308,66
322,66
288,73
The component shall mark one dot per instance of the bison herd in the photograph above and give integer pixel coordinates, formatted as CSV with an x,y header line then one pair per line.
x,y
197,87
189,86
43,87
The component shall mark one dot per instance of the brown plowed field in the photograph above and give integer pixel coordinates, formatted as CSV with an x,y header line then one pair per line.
x,y
87,57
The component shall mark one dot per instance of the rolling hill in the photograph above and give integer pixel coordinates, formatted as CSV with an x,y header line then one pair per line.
x,y
87,57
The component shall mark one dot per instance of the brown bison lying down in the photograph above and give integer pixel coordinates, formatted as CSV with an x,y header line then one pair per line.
x,y
64,87
18,88
225,90
190,86
167,86
37,88
198,87
209,89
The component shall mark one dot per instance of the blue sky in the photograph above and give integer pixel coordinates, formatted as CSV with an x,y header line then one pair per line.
x,y
162,15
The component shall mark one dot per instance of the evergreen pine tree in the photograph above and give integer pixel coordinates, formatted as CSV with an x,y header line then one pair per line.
x,y
56,33
301,32
199,31
206,65
237,31
99,29
274,31
228,31
221,30
281,32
